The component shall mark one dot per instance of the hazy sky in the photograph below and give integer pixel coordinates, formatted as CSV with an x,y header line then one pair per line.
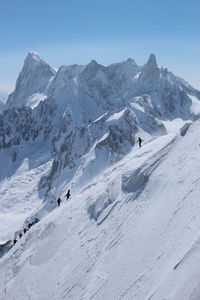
x,y
76,31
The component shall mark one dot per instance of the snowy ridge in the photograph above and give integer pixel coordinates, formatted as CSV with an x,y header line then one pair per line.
x,y
130,229
136,244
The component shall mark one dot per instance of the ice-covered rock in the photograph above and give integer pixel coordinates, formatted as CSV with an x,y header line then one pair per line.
x,y
120,138
4,248
34,78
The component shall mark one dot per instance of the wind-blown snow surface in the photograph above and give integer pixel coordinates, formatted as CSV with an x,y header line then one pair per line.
x,y
131,228
104,244
19,197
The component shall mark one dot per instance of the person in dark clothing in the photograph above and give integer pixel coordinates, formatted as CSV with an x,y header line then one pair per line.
x,y
20,235
29,225
140,142
14,241
35,221
25,230
68,194
59,201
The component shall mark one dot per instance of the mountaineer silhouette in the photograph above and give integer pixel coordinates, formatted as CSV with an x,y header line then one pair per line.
x,y
25,230
58,201
140,142
68,194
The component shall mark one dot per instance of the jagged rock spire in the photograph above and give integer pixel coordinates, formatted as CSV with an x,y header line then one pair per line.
x,y
33,78
151,63
149,76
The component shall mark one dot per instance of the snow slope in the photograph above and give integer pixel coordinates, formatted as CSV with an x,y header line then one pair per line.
x,y
19,198
130,229
133,233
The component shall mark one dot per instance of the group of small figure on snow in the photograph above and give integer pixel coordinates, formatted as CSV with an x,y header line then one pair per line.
x,y
68,192
58,203
37,220
24,231
67,196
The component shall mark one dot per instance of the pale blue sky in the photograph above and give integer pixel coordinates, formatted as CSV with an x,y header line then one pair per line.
x,y
76,31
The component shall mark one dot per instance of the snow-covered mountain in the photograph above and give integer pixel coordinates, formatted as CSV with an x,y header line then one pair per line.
x,y
118,235
32,82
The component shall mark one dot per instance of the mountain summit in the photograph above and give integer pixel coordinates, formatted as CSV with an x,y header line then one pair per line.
x,y
149,77
34,78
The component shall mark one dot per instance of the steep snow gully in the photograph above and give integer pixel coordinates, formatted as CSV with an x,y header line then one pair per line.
x,y
131,228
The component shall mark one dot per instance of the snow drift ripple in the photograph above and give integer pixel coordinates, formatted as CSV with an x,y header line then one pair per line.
x,y
135,181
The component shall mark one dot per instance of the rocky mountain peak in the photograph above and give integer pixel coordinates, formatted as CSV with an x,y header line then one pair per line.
x,y
149,77
151,63
34,61
131,61
33,78
33,56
